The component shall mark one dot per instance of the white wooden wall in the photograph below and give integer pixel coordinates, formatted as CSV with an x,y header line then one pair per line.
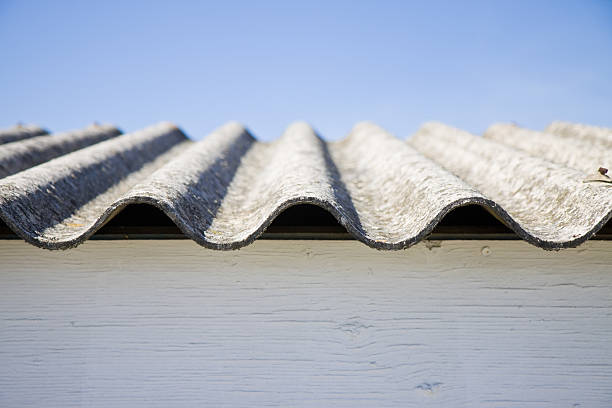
x,y
305,323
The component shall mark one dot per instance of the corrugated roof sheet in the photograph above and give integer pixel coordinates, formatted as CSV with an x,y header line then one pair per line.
x,y
20,132
222,192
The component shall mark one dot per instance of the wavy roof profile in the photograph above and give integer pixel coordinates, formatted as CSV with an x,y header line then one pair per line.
x,y
20,132
224,191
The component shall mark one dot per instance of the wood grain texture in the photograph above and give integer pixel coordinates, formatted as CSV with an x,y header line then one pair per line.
x,y
306,323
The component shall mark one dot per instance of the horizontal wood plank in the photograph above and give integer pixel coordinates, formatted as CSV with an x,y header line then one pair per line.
x,y
306,323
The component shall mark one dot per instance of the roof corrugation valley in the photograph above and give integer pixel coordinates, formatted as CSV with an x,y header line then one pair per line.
x,y
56,190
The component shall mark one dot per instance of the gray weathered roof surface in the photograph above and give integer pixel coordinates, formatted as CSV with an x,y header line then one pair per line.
x,y
222,192
20,132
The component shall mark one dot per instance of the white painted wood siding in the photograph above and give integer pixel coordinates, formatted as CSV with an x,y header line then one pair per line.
x,y
305,323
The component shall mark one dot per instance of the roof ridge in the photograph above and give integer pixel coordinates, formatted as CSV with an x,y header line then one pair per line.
x,y
226,189
527,187
586,156
22,154
19,132
581,132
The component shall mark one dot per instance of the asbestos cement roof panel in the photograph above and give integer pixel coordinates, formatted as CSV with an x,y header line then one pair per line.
x,y
222,192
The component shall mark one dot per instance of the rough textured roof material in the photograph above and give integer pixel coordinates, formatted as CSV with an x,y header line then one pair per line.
x,y
23,154
225,190
20,132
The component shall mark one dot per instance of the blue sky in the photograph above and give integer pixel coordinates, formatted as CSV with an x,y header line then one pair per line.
x,y
65,64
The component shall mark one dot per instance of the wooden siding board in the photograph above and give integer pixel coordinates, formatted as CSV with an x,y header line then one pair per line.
x,y
306,323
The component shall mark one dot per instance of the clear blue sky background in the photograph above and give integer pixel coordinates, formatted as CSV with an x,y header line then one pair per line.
x,y
65,64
